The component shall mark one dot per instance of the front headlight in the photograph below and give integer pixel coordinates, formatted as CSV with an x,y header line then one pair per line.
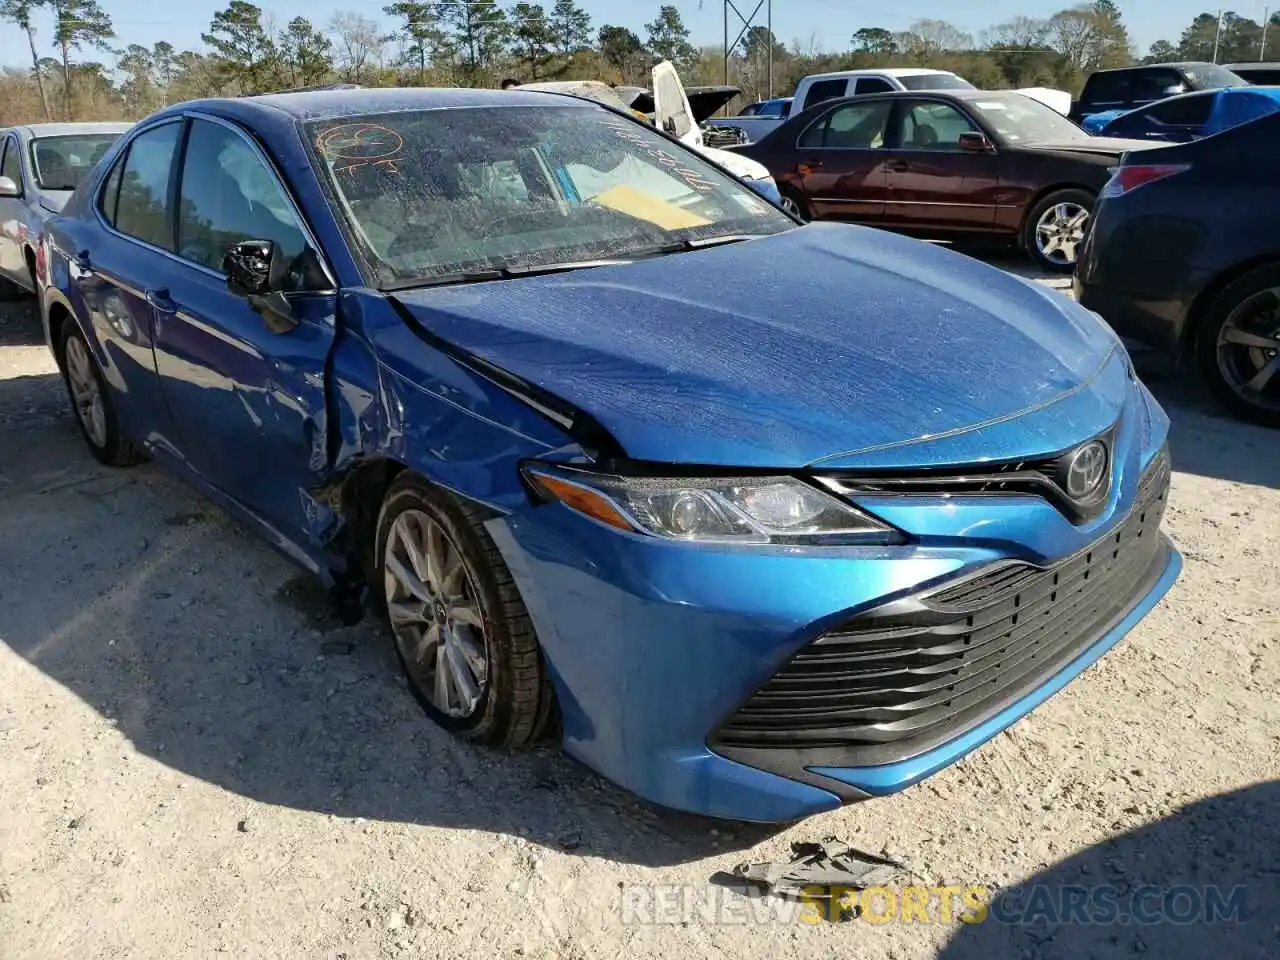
x,y
716,509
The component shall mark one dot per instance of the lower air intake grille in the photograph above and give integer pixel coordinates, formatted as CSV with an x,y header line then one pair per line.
x,y
898,680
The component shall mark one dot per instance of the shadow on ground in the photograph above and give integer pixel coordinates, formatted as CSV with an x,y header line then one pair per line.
x,y
212,656
1201,883
20,323
1204,438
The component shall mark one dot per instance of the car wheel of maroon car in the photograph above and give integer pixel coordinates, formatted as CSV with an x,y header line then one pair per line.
x,y
1054,230
461,630
795,204
1238,346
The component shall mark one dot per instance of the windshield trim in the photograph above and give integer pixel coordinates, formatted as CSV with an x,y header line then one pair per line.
x,y
38,179
378,275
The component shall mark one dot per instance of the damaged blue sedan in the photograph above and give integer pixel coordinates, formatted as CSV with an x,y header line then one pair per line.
x,y
759,517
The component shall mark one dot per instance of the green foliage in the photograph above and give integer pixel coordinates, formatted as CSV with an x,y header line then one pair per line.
x,y
243,51
668,39
570,27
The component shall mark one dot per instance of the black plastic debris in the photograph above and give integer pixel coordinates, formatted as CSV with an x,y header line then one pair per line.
x,y
821,870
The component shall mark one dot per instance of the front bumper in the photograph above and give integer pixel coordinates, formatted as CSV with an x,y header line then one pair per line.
x,y
655,647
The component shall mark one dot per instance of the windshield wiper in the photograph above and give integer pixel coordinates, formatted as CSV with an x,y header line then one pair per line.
x,y
499,273
685,245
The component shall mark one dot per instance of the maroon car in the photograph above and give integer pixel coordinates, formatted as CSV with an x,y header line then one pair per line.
x,y
965,163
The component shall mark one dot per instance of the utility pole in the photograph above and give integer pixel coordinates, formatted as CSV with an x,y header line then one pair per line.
x,y
1217,35
747,24
1266,22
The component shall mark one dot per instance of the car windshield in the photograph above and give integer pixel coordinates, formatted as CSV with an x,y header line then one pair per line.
x,y
935,81
434,194
60,163
1210,77
1019,119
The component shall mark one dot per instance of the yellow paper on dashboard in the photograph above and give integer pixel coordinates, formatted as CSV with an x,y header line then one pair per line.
x,y
634,203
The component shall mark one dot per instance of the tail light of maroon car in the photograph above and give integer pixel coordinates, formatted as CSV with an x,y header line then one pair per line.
x,y
1126,179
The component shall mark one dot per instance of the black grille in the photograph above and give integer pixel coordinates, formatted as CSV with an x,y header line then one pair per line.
x,y
897,680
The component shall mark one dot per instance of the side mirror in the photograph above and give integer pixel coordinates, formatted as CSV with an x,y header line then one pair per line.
x,y
975,142
253,267
256,271
8,188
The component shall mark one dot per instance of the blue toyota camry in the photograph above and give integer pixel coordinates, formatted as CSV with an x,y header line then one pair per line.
x,y
771,517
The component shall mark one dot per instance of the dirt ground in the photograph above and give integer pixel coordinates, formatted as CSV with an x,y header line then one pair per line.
x,y
196,761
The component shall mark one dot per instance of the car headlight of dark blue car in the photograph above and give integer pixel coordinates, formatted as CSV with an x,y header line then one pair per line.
x,y
749,510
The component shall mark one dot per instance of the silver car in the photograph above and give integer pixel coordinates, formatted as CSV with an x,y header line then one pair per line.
x,y
40,165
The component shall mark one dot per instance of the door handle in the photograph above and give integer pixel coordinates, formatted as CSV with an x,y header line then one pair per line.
x,y
899,166
159,299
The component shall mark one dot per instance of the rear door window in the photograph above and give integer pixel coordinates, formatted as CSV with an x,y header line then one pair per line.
x,y
1112,87
1190,111
873,85
823,90
142,209
857,126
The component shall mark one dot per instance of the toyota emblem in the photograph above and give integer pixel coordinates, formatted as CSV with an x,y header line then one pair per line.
x,y
1086,469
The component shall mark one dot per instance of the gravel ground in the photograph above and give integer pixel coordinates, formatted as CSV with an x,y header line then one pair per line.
x,y
195,760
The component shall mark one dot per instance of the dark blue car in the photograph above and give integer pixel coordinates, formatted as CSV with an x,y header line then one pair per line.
x,y
771,516
1189,116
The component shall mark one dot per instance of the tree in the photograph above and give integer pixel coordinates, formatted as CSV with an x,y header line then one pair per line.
x,y
757,43
531,37
243,50
1071,34
618,45
138,89
419,34
77,23
668,39
571,26
306,53
360,45
925,39
875,40
477,32
1162,51
1111,44
18,12
166,64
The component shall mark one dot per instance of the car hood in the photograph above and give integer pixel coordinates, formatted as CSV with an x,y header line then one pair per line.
x,y
737,164
824,340
1102,146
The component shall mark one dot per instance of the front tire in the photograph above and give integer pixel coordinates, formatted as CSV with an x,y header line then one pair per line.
x,y
91,403
1055,229
1238,346
461,630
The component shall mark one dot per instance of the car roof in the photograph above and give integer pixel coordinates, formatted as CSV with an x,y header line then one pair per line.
x,y
333,104
881,72
1171,65
36,130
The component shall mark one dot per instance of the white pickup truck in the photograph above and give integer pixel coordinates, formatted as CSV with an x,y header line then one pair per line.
x,y
848,83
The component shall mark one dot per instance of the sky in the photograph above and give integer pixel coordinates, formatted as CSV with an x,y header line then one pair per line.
x,y
830,23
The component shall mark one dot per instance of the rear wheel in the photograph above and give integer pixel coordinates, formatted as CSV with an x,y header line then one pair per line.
x,y
461,630
1054,229
1238,346
794,204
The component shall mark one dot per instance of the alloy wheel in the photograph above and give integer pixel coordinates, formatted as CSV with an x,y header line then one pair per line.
x,y
435,614
789,204
85,392
1060,231
1248,350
